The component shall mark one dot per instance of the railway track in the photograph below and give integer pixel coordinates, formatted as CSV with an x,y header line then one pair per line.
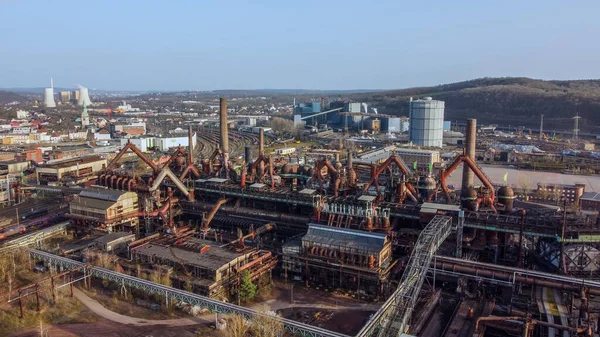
x,y
209,140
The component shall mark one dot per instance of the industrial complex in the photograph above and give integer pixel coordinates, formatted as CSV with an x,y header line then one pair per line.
x,y
404,213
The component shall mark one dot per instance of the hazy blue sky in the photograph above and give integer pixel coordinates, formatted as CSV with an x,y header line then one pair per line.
x,y
196,44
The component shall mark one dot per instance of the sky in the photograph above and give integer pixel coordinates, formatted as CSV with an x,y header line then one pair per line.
x,y
308,44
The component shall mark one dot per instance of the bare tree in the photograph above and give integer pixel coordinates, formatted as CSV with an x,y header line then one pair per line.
x,y
237,326
267,324
279,124
542,192
525,184
557,194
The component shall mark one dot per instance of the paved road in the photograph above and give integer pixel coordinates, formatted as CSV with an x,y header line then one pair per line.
x,y
101,311
516,178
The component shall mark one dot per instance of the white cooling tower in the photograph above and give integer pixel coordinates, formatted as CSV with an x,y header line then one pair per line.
x,y
84,97
49,98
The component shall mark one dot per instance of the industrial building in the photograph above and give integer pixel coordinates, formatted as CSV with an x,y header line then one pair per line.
x,y
115,242
370,226
77,170
332,257
394,124
75,96
214,271
590,201
426,122
49,101
84,97
106,210
65,97
423,158
159,143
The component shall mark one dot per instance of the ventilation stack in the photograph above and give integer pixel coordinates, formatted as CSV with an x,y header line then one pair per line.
x,y
224,132
470,140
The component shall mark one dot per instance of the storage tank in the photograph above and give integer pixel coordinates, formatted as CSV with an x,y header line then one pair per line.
x,y
506,195
426,122
468,199
427,186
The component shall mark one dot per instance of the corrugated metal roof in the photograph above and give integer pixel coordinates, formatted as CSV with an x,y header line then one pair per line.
x,y
350,239
108,238
593,196
101,193
94,203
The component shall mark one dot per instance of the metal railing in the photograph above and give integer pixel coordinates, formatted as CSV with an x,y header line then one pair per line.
x,y
395,314
179,295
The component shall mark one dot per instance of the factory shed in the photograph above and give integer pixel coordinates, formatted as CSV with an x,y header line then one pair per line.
x,y
342,241
335,257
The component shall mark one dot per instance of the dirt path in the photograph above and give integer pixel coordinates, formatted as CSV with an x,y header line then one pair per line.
x,y
103,312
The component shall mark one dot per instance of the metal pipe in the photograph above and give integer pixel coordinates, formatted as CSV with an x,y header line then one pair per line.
x,y
470,141
510,274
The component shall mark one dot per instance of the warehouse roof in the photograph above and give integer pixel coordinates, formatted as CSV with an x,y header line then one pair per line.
x,y
591,196
102,193
93,203
350,239
108,238
212,259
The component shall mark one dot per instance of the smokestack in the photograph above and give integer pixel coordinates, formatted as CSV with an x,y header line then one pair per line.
x,y
224,131
190,146
261,149
247,154
261,141
349,163
470,139
541,126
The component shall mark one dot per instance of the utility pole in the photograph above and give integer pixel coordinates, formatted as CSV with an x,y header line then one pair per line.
x,y
576,126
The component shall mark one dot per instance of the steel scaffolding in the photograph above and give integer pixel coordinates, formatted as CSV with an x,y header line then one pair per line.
x,y
393,318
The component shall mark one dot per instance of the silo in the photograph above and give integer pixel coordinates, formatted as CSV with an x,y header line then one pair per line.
x,y
426,122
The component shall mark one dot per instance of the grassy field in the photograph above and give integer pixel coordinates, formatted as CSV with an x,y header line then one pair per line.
x,y
66,310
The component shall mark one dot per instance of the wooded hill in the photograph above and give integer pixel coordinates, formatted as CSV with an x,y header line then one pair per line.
x,y
511,100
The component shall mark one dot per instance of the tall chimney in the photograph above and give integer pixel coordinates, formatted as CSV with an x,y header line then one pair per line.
x,y
261,142
247,155
224,131
470,140
190,146
349,159
261,149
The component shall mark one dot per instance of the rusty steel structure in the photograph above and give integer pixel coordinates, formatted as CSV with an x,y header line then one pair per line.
x,y
386,201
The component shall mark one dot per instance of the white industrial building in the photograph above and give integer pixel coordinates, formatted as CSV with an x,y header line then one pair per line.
x,y
160,143
426,122
49,101
84,97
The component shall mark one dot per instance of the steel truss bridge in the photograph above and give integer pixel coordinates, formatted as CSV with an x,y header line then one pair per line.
x,y
62,263
393,318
